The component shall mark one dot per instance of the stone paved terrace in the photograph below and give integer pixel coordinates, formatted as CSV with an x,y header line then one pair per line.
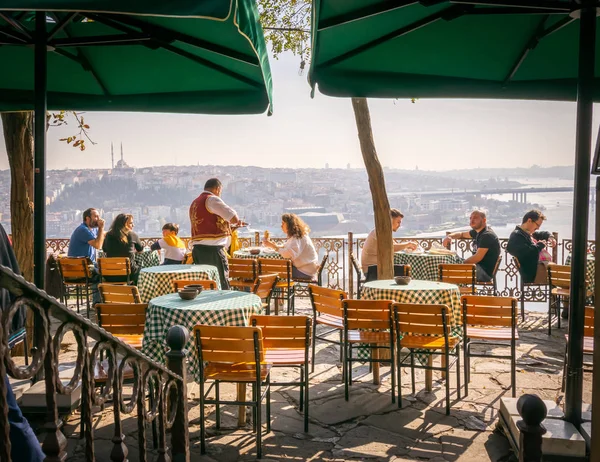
x,y
369,426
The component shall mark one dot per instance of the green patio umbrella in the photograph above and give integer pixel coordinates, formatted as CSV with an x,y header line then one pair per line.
x,y
202,56
516,49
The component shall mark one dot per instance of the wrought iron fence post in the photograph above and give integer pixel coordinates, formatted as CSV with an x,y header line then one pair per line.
x,y
177,339
533,411
349,265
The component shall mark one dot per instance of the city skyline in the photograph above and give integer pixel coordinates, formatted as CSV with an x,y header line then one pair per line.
x,y
304,133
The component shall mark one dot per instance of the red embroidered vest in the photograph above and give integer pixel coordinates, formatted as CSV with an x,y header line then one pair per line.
x,y
206,225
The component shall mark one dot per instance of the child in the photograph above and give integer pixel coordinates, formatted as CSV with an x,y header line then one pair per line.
x,y
173,245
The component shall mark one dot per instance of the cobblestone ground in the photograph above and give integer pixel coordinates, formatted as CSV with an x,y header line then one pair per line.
x,y
368,426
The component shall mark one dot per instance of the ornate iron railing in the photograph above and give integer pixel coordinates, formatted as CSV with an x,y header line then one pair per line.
x,y
165,387
566,246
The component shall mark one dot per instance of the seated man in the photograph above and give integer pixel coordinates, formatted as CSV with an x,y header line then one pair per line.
x,y
369,253
85,240
526,242
486,245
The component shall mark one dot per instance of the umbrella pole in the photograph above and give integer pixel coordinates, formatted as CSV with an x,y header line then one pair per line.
x,y
39,181
583,147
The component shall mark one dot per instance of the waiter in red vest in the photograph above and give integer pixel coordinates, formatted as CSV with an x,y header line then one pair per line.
x,y
211,220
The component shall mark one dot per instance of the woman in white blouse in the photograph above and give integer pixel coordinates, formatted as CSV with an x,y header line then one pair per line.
x,y
298,248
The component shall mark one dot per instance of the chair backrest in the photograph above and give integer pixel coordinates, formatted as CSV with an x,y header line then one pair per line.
x,y
114,266
122,318
281,267
588,323
73,268
283,332
230,345
457,273
417,319
357,269
488,311
559,276
243,268
207,284
115,293
325,300
367,314
264,285
497,265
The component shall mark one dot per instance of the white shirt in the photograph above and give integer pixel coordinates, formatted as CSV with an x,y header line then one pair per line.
x,y
302,253
368,256
172,253
214,204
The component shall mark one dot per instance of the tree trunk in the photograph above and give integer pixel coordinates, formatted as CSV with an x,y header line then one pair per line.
x,y
381,204
18,136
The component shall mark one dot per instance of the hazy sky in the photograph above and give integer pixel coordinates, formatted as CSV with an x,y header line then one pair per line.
x,y
305,132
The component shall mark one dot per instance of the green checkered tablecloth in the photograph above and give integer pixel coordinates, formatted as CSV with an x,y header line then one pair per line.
x,y
147,259
158,280
213,307
424,266
264,253
419,292
590,271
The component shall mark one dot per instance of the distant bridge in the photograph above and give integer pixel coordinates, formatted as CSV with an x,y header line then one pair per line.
x,y
519,194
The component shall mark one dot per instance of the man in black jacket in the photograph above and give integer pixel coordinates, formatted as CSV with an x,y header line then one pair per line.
x,y
526,242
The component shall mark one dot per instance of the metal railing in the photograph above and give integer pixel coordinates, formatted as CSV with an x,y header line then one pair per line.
x,y
164,387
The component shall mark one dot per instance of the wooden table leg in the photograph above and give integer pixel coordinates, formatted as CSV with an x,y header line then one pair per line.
x,y
241,396
429,374
375,355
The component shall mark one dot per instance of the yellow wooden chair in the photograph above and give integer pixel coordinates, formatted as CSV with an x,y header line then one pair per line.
x,y
125,321
207,284
117,293
115,270
559,281
242,273
284,289
264,287
76,275
462,274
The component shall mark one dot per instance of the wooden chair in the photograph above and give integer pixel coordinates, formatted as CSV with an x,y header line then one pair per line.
x,y
327,311
233,354
264,287
368,322
588,343
76,275
559,285
531,285
462,275
242,273
489,321
319,279
116,293
284,289
125,321
286,340
116,270
425,330
207,284
493,284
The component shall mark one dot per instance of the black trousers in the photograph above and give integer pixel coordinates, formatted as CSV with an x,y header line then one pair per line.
x,y
215,256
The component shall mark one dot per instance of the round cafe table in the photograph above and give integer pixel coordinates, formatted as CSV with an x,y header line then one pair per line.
x,y
212,307
265,252
158,280
419,292
425,266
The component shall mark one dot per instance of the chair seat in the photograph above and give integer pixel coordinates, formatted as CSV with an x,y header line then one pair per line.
x,y
241,372
133,340
491,333
560,292
283,357
330,320
588,344
363,336
284,284
427,342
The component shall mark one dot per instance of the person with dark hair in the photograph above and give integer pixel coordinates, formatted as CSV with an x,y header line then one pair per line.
x,y
526,242
368,257
24,444
121,241
298,248
172,244
88,236
211,221
485,244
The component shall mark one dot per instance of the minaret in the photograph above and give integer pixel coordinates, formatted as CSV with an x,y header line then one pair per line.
x,y
122,152
112,155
